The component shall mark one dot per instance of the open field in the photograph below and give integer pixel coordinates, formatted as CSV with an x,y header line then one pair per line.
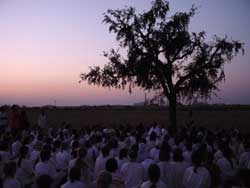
x,y
211,118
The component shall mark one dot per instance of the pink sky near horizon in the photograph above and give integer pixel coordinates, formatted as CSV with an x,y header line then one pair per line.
x,y
45,45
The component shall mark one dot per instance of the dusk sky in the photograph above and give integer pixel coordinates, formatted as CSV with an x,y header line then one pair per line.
x,y
46,44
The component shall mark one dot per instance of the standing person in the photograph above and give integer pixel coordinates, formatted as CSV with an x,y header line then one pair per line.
x,y
24,122
14,119
42,119
3,118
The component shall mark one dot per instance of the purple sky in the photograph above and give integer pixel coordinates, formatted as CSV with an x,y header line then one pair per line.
x,y
46,44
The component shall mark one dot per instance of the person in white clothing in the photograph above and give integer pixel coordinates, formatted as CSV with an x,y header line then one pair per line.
x,y
154,178
164,157
196,176
123,153
16,146
9,176
244,159
101,160
132,171
25,170
63,158
74,179
112,168
44,167
42,119
79,162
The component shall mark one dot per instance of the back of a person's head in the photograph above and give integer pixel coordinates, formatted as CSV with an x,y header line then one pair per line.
x,y
154,173
152,136
123,153
44,155
197,158
105,151
9,169
74,174
164,155
44,181
104,180
82,152
64,146
24,151
133,154
111,165
177,155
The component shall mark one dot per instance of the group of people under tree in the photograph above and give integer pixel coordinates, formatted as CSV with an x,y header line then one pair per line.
x,y
143,156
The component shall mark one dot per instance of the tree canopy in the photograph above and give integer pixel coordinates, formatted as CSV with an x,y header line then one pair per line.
x,y
158,52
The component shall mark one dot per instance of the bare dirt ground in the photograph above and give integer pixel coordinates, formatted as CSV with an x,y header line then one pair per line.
x,y
79,118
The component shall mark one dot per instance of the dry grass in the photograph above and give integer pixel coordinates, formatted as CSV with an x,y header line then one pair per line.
x,y
112,117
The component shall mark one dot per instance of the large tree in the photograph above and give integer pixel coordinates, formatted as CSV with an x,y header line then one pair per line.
x,y
158,52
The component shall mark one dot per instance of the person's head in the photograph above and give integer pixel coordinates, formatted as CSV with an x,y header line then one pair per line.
x,y
82,152
105,151
75,174
44,181
9,169
111,165
132,155
123,153
154,173
197,158
152,136
24,150
164,155
44,155
64,146
104,180
177,155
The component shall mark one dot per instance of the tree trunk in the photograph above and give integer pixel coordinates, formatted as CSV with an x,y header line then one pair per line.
x,y
172,112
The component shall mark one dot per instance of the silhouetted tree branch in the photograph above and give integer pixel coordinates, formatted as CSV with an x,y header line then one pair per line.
x,y
161,54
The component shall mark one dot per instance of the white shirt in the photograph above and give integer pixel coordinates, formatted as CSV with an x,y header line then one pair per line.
x,y
154,154
42,121
75,184
227,171
45,168
199,179
62,160
172,173
25,172
244,161
133,174
146,163
34,156
148,184
100,164
16,148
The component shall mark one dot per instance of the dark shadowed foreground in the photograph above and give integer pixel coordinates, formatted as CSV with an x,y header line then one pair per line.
x,y
113,116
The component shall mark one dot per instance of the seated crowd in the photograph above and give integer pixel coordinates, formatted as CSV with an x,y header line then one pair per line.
x,y
124,157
